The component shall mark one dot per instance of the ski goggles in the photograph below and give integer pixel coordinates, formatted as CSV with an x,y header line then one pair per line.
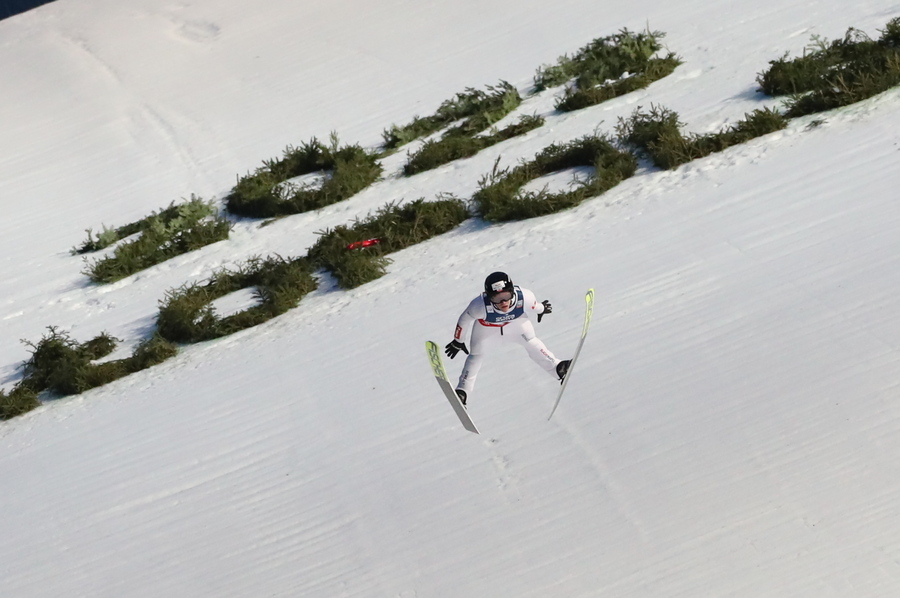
x,y
501,297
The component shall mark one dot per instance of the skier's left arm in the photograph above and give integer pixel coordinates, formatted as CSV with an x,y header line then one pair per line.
x,y
532,306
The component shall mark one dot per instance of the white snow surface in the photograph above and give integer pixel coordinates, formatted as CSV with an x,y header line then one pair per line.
x,y
731,428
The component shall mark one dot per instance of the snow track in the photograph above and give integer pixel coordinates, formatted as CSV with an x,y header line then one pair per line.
x,y
733,427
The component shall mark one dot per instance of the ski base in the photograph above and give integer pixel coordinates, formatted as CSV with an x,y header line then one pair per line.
x,y
588,312
440,374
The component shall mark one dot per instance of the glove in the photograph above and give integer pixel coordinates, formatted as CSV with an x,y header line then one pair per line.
x,y
453,347
548,309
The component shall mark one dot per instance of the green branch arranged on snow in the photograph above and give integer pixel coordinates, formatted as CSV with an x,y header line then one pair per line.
x,y
657,134
356,254
830,75
606,68
18,401
501,196
478,109
840,73
266,193
456,143
171,232
63,366
187,315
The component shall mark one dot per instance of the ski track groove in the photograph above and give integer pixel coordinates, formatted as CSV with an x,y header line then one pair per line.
x,y
617,492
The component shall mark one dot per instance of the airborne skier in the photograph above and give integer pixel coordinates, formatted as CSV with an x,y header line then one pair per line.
x,y
499,314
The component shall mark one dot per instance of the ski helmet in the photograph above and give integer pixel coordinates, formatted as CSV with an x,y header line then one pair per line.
x,y
497,282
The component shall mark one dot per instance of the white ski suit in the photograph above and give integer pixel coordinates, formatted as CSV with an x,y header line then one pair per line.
x,y
491,326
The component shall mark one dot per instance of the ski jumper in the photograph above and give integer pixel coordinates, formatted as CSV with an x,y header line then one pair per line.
x,y
490,326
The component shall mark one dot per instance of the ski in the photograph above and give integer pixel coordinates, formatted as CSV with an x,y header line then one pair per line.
x,y
440,374
588,312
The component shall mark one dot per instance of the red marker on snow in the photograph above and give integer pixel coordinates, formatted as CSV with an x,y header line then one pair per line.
x,y
362,244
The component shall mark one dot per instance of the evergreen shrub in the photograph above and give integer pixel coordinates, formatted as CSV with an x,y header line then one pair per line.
x,y
187,316
17,401
150,352
479,109
607,68
501,198
576,98
63,366
657,134
456,143
171,232
265,193
392,228
833,74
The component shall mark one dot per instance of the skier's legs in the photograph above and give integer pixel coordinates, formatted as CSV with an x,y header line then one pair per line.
x,y
470,372
522,331
482,338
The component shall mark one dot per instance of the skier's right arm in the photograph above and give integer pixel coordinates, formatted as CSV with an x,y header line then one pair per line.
x,y
474,311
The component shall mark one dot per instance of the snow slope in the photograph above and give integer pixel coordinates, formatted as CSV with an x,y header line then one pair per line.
x,y
732,426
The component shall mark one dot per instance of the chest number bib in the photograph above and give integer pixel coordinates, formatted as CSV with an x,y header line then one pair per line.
x,y
496,318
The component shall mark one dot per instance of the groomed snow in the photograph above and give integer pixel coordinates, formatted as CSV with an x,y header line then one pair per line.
x,y
731,429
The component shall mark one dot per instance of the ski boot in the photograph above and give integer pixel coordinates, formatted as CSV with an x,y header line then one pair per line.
x,y
561,368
